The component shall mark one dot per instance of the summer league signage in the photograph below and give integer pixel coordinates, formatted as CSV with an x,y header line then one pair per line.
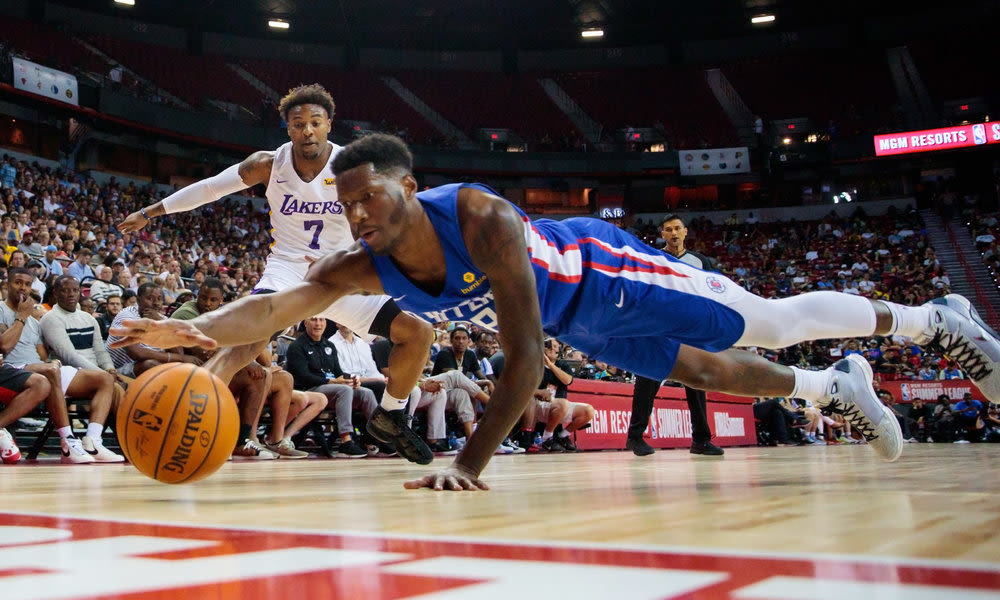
x,y
946,138
51,83
714,161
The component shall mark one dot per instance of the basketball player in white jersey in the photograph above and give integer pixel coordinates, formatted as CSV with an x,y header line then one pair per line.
x,y
307,222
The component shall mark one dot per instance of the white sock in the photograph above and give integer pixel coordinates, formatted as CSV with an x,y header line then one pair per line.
x,y
390,402
810,385
94,431
563,434
910,321
546,435
65,432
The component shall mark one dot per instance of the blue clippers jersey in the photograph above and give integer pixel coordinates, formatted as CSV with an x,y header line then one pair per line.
x,y
594,282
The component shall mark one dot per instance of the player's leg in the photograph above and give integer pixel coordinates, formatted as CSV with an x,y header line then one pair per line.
x,y
379,315
847,386
949,324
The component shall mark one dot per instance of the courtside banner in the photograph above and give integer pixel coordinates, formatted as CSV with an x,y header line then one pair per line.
x,y
946,138
714,161
730,418
908,391
51,83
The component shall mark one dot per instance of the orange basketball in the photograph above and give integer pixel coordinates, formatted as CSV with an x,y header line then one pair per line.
x,y
178,423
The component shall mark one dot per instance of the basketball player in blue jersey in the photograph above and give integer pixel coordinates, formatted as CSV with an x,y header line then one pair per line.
x,y
460,252
307,221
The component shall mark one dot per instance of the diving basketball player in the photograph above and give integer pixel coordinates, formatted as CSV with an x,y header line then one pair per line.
x,y
459,252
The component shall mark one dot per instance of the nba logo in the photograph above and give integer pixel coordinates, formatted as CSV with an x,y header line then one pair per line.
x,y
979,134
904,391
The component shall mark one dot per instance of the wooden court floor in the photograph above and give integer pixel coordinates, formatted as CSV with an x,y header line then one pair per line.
x,y
800,522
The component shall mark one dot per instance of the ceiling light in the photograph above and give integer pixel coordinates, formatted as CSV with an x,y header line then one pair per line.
x,y
277,24
125,2
592,33
759,19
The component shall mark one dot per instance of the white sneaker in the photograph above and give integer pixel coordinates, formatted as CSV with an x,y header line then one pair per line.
x,y
101,454
851,394
958,331
73,452
504,450
514,448
253,451
9,452
286,449
961,442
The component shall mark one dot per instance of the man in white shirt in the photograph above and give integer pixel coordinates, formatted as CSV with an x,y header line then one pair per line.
x,y
355,357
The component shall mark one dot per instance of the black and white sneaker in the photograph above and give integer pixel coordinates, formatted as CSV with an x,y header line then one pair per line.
x,y
957,330
851,394
393,427
350,449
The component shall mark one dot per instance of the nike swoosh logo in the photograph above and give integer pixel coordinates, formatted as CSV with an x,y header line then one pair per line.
x,y
280,180
400,297
621,299
94,452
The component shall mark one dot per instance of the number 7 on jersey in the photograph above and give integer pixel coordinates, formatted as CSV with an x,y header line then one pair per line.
x,y
318,224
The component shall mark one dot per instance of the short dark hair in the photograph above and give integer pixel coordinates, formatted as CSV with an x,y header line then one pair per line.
x,y
386,152
672,217
211,283
144,288
457,329
313,93
11,272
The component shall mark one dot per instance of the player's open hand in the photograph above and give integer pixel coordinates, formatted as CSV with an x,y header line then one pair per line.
x,y
160,334
453,478
132,223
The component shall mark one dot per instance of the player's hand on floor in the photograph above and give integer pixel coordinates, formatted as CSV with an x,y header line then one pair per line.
x,y
160,334
452,478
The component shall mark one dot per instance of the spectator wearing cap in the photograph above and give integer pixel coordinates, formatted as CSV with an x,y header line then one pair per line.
x,y
80,268
119,270
36,268
52,266
28,244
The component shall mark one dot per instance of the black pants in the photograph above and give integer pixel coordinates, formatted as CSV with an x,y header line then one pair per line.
x,y
775,417
642,407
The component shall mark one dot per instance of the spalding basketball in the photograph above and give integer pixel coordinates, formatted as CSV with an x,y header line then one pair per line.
x,y
178,423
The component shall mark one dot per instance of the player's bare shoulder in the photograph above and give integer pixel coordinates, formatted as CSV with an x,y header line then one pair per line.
x,y
256,168
488,223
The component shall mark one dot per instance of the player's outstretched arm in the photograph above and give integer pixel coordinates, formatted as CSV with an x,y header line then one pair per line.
x,y
494,234
254,170
254,318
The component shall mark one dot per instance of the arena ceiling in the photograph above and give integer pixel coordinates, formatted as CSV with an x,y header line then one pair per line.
x,y
513,24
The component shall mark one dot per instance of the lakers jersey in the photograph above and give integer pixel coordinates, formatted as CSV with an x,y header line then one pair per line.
x,y
599,289
307,219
